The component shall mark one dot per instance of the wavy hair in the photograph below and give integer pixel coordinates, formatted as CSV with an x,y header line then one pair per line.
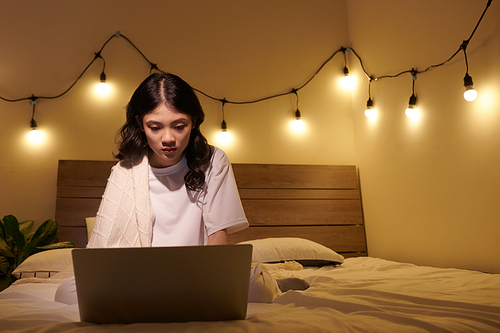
x,y
172,91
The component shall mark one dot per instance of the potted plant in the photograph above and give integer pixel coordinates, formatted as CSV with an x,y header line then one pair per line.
x,y
17,242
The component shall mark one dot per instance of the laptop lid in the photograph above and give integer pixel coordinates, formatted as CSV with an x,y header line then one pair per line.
x,y
162,284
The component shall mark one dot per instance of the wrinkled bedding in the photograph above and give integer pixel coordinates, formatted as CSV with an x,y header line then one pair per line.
x,y
362,295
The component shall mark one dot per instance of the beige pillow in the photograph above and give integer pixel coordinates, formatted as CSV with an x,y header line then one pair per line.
x,y
90,221
304,251
44,264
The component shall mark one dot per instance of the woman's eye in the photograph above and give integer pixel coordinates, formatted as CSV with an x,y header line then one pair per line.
x,y
180,127
154,128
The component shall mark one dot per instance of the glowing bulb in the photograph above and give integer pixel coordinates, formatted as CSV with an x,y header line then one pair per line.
x,y
346,80
102,89
224,138
297,126
412,111
470,93
35,136
370,111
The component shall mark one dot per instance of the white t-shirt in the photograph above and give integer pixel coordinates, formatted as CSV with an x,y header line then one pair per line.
x,y
185,217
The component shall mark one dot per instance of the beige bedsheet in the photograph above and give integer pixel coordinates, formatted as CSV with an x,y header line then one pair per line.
x,y
362,295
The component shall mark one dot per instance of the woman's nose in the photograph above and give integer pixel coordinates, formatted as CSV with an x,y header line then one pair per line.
x,y
167,136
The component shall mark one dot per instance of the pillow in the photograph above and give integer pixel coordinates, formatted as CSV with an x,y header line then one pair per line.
x,y
89,221
44,264
304,251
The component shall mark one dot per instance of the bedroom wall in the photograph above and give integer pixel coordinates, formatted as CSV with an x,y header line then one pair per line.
x,y
239,50
430,188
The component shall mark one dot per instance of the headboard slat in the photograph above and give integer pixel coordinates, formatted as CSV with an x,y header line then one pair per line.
x,y
252,193
303,212
295,176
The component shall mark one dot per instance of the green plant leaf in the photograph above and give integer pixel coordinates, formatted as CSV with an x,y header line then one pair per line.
x,y
3,233
6,281
25,227
29,236
4,265
45,234
29,249
12,227
5,249
60,245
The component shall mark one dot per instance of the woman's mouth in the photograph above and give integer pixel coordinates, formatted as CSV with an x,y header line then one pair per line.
x,y
168,150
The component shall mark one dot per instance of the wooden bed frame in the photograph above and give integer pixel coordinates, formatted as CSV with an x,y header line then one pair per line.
x,y
318,202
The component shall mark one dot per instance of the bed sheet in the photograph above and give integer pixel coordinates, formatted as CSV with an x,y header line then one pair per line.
x,y
362,295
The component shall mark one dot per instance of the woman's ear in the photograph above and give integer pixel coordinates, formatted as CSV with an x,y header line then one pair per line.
x,y
139,121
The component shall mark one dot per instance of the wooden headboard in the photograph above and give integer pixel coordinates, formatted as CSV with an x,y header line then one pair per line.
x,y
318,202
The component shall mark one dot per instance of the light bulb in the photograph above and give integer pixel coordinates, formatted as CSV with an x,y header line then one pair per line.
x,y
370,111
346,80
470,93
35,136
102,89
224,137
412,111
297,125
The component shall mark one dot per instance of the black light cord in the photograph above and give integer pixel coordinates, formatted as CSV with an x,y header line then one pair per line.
x,y
33,97
463,47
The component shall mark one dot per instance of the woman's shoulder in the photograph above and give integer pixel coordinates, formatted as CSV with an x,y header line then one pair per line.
x,y
218,156
130,162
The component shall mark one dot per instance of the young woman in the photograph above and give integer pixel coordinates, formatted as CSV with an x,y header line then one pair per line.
x,y
174,188
170,187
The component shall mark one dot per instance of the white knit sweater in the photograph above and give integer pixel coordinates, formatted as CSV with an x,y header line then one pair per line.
x,y
125,216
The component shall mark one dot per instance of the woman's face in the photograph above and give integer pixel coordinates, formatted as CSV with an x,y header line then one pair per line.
x,y
167,132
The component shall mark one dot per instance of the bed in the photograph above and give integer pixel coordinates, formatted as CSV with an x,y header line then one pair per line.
x,y
306,221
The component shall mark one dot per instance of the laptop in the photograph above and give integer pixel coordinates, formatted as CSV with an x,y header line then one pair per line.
x,y
162,284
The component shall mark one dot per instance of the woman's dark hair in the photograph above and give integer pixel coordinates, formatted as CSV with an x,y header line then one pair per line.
x,y
172,91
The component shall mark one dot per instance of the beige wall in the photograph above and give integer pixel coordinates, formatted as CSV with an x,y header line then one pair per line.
x,y
240,50
430,190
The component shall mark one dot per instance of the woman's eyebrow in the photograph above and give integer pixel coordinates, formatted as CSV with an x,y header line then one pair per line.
x,y
153,122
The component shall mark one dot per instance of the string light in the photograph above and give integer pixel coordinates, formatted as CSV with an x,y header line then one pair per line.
x,y
33,123
346,80
467,78
224,137
297,124
35,136
370,112
470,94
411,110
102,88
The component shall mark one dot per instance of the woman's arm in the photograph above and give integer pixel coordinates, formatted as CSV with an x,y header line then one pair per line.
x,y
218,238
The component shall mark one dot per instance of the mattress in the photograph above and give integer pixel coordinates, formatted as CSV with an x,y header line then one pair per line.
x,y
362,294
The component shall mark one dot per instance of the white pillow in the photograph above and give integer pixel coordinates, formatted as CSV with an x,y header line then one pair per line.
x,y
304,251
89,221
44,264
